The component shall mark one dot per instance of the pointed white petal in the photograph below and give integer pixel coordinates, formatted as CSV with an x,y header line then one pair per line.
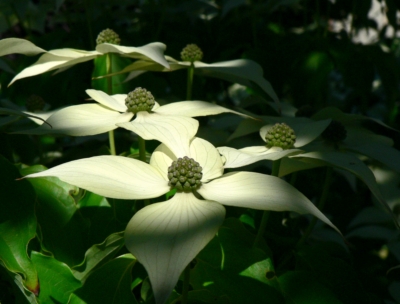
x,y
42,115
161,159
81,120
111,176
115,102
49,61
238,158
153,51
208,157
18,46
174,131
259,191
306,130
194,108
165,237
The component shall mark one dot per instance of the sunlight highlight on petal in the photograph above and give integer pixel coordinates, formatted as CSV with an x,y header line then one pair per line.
x,y
259,191
111,176
165,237
174,131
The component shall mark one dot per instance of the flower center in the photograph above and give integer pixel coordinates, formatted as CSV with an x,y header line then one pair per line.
x,y
108,36
335,132
185,174
139,100
191,53
280,135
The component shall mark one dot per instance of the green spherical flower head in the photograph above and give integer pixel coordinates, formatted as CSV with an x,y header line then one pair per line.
x,y
191,53
139,100
185,174
335,132
280,135
108,36
35,103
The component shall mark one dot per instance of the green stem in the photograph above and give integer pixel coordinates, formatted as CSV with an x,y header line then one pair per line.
x,y
190,82
185,288
112,142
264,219
320,205
109,71
109,91
142,149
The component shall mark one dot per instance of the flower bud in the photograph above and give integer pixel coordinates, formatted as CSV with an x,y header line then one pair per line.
x,y
35,103
280,135
335,132
185,174
191,53
139,100
108,36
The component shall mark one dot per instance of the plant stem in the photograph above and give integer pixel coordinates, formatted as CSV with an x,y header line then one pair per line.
x,y
109,92
112,142
264,219
190,82
320,205
185,288
142,149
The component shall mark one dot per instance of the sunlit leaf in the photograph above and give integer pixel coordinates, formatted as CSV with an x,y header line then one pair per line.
x,y
56,279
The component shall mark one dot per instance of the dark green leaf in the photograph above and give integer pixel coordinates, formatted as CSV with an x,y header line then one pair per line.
x,y
98,255
108,284
229,264
17,224
301,287
60,220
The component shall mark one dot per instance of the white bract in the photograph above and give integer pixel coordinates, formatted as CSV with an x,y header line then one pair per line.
x,y
171,123
166,236
305,130
62,59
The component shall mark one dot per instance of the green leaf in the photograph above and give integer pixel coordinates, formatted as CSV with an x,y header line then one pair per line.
x,y
98,255
229,264
108,284
17,224
60,220
56,279
301,287
349,162
18,46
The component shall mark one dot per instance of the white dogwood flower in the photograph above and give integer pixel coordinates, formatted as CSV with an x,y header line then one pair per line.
x,y
171,123
306,130
166,236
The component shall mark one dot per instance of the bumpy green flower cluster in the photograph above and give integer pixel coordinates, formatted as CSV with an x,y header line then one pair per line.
x,y
191,53
335,132
139,100
185,174
35,103
108,36
280,135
